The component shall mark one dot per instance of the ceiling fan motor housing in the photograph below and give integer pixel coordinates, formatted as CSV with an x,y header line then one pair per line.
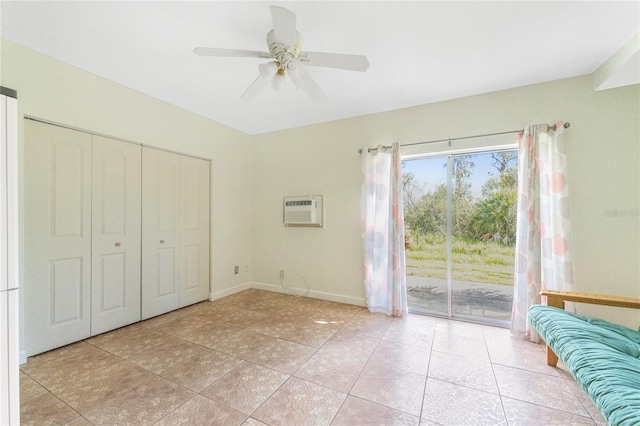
x,y
286,56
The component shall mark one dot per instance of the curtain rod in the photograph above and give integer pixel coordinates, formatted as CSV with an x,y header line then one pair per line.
x,y
565,125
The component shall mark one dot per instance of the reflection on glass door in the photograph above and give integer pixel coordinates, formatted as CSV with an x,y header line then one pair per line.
x,y
460,219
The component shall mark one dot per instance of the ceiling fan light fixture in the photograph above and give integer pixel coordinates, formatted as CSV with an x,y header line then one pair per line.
x,y
268,70
277,83
295,77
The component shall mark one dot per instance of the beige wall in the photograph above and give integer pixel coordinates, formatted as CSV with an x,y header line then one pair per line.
x,y
603,155
251,174
57,92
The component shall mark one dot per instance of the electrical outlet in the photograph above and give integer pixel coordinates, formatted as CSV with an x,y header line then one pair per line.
x,y
281,274
236,270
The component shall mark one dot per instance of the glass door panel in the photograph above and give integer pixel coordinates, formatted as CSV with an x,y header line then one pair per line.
x,y
460,234
425,207
483,208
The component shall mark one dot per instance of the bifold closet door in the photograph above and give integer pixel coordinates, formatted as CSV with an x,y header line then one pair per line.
x,y
175,231
160,232
116,234
57,251
194,230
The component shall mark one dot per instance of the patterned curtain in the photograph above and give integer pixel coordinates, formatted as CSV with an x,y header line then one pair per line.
x,y
543,256
383,231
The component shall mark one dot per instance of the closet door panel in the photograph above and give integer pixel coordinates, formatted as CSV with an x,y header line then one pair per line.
x,y
57,236
194,230
116,234
160,232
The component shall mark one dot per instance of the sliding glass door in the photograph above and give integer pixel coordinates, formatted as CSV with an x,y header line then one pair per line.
x,y
460,227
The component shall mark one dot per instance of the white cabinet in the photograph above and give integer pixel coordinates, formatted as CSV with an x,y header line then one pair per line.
x,y
175,226
114,233
9,330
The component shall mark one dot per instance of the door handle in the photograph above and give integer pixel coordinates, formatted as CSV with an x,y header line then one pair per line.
x,y
161,241
118,244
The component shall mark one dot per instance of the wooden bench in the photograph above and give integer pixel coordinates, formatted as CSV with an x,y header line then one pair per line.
x,y
557,299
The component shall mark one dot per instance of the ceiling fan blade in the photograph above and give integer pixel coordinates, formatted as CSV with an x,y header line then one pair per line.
x,y
304,81
255,88
284,25
238,53
336,60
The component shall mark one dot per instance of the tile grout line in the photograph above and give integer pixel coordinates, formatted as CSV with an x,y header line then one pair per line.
x,y
495,379
426,380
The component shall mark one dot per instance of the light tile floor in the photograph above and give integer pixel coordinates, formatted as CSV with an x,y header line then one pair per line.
x,y
259,357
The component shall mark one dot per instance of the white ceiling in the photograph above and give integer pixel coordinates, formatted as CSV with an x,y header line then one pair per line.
x,y
420,51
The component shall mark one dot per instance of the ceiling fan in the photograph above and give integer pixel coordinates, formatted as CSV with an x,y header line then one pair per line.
x,y
285,48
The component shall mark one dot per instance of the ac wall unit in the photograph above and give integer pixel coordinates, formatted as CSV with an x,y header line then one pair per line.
x,y
303,211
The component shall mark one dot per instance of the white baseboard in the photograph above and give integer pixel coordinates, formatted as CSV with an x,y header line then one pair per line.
x,y
229,291
333,297
22,357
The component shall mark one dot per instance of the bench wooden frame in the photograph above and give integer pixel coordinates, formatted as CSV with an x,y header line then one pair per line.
x,y
557,299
